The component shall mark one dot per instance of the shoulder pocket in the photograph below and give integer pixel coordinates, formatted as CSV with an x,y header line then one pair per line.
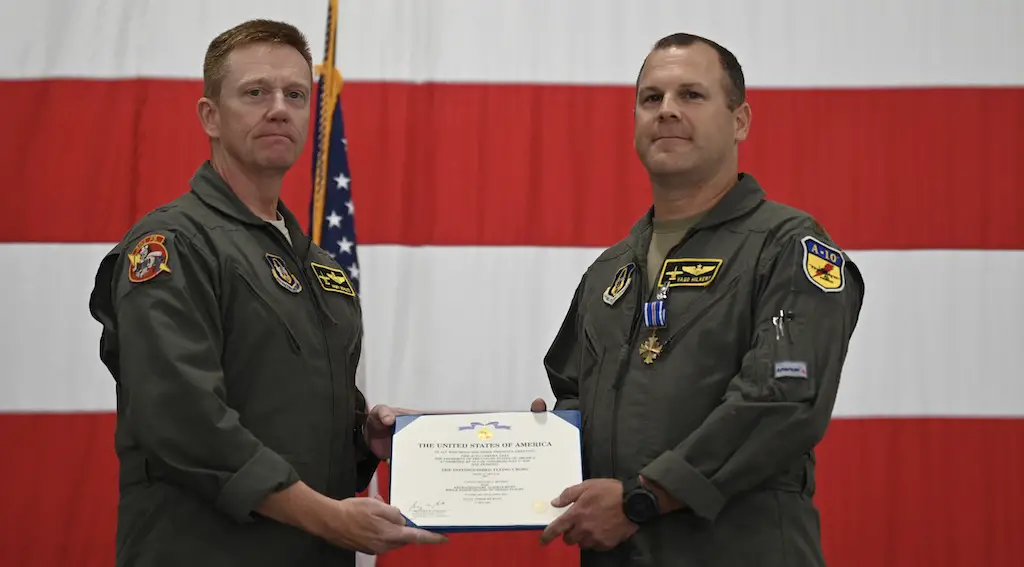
x,y
259,296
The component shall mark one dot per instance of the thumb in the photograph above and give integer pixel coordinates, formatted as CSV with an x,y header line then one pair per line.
x,y
386,415
538,405
568,496
422,537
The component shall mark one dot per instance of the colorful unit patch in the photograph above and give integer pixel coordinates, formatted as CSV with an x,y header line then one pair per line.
x,y
623,278
333,279
148,259
823,264
281,274
689,272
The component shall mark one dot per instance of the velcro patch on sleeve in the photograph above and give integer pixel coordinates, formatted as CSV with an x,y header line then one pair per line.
x,y
823,264
148,259
790,369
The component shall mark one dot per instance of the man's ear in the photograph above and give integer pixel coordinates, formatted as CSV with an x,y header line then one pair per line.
x,y
209,116
742,118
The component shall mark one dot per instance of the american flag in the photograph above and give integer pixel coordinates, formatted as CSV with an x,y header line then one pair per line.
x,y
332,214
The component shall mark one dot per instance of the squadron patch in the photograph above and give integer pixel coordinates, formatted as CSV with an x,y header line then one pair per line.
x,y
333,279
282,275
623,277
823,264
148,259
689,272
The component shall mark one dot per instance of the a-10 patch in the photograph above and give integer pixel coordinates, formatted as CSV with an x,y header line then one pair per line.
x,y
823,264
333,280
148,259
689,272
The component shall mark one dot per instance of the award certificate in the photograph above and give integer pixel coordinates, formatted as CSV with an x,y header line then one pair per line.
x,y
484,471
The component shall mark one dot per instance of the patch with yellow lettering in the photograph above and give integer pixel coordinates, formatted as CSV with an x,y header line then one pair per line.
x,y
333,279
689,272
823,264
148,259
623,277
282,275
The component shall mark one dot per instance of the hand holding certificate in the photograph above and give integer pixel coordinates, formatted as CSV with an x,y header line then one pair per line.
x,y
484,471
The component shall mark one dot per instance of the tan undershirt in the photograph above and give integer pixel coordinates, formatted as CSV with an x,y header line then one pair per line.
x,y
667,233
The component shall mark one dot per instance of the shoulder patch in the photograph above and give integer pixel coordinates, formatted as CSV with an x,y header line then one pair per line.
x,y
148,259
823,264
689,272
623,277
333,279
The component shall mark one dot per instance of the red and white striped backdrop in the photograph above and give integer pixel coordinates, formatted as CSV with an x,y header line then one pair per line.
x,y
492,160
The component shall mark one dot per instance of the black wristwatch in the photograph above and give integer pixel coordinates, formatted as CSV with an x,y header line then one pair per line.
x,y
639,504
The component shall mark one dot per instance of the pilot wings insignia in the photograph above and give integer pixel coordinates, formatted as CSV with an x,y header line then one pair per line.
x,y
689,272
333,279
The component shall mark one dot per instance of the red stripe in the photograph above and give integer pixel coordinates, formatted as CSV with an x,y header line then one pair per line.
x,y
906,493
531,165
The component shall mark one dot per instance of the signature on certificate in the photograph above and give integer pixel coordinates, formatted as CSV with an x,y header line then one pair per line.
x,y
429,508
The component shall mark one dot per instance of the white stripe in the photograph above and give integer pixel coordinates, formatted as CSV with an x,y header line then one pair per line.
x,y
782,43
931,341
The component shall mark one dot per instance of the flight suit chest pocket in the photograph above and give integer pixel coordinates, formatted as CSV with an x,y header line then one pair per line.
x,y
256,307
335,293
696,308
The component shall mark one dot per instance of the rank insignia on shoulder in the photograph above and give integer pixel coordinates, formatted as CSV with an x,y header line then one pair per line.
x,y
623,277
689,272
823,264
148,259
281,274
333,279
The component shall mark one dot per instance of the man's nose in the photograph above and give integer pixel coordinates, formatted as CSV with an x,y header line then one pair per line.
x,y
278,107
670,108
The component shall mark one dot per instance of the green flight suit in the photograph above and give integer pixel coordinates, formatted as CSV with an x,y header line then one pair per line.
x,y
234,356
727,415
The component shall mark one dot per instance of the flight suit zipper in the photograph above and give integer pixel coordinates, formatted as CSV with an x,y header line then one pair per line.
x,y
320,309
625,353
623,368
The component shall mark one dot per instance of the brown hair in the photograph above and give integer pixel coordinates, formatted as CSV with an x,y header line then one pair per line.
x,y
735,84
252,31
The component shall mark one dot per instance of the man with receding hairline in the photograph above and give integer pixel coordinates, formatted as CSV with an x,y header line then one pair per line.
x,y
233,341
704,349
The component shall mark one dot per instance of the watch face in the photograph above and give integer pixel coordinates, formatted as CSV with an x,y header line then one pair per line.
x,y
641,506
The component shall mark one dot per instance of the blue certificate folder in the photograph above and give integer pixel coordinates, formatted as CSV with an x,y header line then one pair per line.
x,y
508,467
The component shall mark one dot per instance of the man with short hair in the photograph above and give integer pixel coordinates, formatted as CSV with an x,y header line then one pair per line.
x,y
233,341
703,350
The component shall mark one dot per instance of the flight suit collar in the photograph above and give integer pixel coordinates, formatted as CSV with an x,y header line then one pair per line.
x,y
743,197
212,190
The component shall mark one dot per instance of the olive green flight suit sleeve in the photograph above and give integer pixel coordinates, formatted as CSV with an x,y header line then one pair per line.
x,y
366,460
172,386
770,415
562,361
